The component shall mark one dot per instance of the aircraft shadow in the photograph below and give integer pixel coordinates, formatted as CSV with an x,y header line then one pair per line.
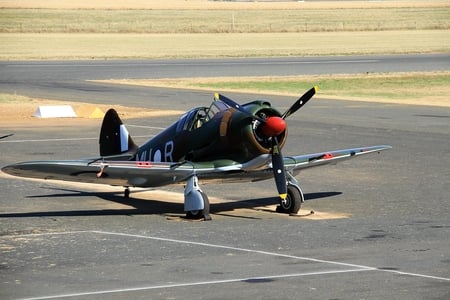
x,y
146,206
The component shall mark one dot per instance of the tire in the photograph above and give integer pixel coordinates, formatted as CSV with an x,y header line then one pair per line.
x,y
293,202
199,214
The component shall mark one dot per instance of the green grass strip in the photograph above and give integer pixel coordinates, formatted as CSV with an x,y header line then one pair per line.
x,y
397,86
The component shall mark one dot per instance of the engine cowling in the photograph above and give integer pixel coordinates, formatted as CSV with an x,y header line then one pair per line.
x,y
259,135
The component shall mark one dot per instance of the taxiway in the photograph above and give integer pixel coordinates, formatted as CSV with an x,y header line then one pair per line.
x,y
389,237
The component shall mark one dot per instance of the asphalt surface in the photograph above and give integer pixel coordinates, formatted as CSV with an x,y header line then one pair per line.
x,y
384,231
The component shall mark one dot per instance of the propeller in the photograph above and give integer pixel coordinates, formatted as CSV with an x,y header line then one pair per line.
x,y
272,127
300,102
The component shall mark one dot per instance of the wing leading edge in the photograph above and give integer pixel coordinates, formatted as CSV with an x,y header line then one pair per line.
x,y
300,162
118,173
152,174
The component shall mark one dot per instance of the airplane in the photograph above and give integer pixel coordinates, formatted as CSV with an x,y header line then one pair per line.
x,y
225,142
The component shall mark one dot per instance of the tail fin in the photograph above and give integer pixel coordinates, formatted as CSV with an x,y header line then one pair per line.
x,y
114,137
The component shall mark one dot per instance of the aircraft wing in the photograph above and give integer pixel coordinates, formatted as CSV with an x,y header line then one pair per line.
x,y
156,174
300,162
129,173
118,173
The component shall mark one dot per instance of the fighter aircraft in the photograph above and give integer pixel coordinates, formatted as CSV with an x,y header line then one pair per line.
x,y
225,142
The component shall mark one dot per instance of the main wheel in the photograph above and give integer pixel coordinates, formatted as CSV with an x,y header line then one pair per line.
x,y
202,213
293,201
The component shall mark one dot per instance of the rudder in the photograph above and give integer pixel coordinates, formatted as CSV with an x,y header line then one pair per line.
x,y
114,136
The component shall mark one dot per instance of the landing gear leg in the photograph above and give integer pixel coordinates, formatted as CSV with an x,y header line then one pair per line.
x,y
196,203
126,193
294,199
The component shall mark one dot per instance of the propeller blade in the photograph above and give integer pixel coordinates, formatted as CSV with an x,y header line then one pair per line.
x,y
279,173
5,136
300,102
234,104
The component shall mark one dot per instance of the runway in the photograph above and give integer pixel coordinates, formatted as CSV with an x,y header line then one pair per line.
x,y
389,238
65,80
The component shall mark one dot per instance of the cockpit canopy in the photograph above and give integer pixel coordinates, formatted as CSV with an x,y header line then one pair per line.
x,y
198,116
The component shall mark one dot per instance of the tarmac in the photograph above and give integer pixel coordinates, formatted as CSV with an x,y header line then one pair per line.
x,y
374,227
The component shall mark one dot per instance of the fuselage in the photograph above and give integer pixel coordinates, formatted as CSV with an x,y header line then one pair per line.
x,y
212,133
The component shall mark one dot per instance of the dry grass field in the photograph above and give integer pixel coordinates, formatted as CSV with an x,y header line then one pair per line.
x,y
368,17
208,5
100,29
117,46
221,21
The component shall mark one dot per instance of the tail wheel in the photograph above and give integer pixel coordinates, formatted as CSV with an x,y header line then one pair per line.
x,y
202,213
293,201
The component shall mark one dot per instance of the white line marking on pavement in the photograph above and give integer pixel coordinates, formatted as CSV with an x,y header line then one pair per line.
x,y
234,248
148,127
367,268
414,274
64,139
175,285
354,267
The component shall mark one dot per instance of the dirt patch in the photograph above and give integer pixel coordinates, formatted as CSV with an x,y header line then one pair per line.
x,y
18,109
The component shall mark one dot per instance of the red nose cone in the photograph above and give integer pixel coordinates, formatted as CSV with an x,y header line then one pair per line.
x,y
274,126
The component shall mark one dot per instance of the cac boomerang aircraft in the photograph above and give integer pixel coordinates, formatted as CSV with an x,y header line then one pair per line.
x,y
225,142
